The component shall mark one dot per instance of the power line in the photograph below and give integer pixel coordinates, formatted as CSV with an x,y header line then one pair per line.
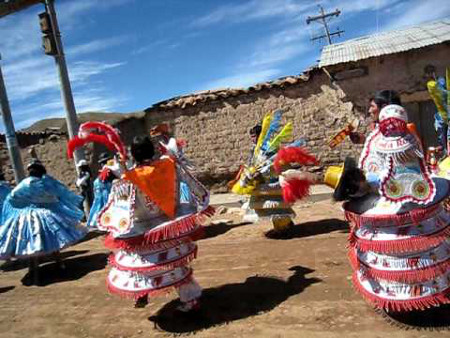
x,y
321,18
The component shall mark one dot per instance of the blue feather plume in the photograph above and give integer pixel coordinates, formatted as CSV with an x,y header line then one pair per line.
x,y
441,86
273,128
299,143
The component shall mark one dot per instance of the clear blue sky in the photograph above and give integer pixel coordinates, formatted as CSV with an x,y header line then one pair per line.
x,y
125,55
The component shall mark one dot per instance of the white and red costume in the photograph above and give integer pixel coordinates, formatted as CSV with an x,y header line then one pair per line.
x,y
399,242
151,229
153,238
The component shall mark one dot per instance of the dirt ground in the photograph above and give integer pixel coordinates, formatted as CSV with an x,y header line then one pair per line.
x,y
254,286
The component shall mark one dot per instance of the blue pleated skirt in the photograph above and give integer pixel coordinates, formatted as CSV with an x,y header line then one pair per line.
x,y
184,193
101,193
35,231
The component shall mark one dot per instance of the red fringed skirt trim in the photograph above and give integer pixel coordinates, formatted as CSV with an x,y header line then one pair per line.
x,y
165,236
415,216
418,243
402,276
153,292
421,303
181,261
139,243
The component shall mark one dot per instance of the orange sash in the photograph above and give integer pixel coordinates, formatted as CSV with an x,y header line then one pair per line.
x,y
157,181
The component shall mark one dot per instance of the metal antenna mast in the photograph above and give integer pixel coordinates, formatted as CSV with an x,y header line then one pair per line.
x,y
322,18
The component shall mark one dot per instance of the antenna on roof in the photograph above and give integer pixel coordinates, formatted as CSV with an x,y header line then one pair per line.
x,y
322,18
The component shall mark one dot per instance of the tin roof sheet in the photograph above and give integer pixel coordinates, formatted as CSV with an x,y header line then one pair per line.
x,y
391,42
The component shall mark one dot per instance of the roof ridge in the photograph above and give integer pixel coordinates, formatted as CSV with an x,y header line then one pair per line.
x,y
192,99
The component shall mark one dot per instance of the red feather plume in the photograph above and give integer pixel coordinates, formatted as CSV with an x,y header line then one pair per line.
x,y
104,173
77,142
288,155
295,190
110,132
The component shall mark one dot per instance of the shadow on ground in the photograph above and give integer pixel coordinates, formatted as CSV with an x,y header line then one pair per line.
x,y
91,235
19,264
311,229
231,302
6,289
214,230
75,268
436,318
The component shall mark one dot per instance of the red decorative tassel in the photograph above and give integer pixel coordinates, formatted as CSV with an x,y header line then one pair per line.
x,y
209,211
288,155
295,190
104,173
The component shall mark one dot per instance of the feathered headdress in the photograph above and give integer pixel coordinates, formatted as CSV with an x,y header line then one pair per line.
x,y
293,155
269,154
97,132
438,92
273,128
269,141
295,184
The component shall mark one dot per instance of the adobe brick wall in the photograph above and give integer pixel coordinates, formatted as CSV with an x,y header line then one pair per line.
x,y
217,131
53,156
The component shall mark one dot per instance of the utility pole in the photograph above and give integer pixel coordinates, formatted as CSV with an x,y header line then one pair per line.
x,y
53,46
66,90
322,17
10,133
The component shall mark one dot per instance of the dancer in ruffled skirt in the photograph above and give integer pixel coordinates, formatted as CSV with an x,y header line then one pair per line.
x,y
152,230
5,189
273,179
400,225
102,188
40,216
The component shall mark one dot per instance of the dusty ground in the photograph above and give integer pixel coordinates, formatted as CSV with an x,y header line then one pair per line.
x,y
254,286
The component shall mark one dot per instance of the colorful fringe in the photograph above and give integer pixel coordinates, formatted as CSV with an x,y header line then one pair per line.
x,y
403,305
184,260
154,292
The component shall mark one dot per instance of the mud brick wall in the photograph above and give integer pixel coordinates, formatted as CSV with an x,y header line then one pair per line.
x,y
52,152
217,131
403,72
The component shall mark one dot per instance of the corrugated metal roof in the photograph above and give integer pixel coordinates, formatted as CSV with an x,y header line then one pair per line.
x,y
386,43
